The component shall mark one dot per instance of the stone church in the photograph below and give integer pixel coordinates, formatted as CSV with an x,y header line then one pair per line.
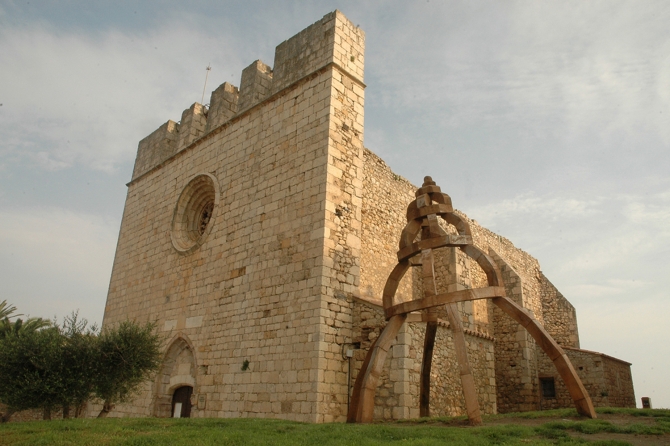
x,y
259,232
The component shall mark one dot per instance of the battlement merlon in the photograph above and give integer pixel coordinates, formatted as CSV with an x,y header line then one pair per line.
x,y
332,40
222,105
160,145
255,85
192,125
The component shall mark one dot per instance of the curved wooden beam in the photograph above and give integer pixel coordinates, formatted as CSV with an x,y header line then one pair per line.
x,y
424,383
414,212
450,240
467,380
392,283
486,263
461,225
363,398
409,233
445,298
562,363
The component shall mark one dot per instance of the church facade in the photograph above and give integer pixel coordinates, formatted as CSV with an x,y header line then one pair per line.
x,y
259,231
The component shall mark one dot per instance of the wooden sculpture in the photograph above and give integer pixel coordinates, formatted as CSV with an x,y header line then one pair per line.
x,y
422,218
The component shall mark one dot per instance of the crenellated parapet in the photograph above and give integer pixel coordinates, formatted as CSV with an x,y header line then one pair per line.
x,y
333,41
169,139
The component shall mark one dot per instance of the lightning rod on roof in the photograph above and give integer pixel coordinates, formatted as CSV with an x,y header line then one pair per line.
x,y
207,70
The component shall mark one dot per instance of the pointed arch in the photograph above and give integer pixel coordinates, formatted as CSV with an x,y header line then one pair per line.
x,y
179,368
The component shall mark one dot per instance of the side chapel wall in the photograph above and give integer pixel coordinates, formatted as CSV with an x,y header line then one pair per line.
x,y
608,380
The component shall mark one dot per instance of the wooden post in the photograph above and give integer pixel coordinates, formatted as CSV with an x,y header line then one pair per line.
x,y
424,384
467,380
429,289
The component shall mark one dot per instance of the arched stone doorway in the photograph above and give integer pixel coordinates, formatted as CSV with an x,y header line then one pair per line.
x,y
177,372
181,402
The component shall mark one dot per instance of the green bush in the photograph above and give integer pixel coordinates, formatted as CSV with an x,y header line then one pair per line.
x,y
47,366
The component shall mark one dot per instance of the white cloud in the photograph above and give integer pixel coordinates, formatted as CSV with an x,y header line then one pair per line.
x,y
46,162
570,87
609,288
541,207
597,249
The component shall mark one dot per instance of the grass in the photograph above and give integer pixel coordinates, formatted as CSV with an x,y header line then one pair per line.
x,y
252,431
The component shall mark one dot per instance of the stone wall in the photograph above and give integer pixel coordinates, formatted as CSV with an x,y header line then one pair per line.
x,y
397,394
385,199
608,380
516,353
618,382
394,393
156,148
259,285
560,317
332,40
446,396
32,415
342,205
516,358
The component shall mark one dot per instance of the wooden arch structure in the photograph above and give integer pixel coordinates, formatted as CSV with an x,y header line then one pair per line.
x,y
422,218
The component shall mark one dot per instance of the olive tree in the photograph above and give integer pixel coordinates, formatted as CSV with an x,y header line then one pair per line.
x,y
128,355
79,356
44,365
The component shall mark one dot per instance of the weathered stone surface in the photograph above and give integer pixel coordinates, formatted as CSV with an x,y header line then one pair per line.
x,y
290,263
608,380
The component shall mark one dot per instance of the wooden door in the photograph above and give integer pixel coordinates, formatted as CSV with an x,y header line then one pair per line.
x,y
182,399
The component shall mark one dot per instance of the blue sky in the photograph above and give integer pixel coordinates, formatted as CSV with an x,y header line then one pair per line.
x,y
547,122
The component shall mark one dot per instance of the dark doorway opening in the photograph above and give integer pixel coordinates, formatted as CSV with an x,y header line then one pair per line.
x,y
181,402
548,387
